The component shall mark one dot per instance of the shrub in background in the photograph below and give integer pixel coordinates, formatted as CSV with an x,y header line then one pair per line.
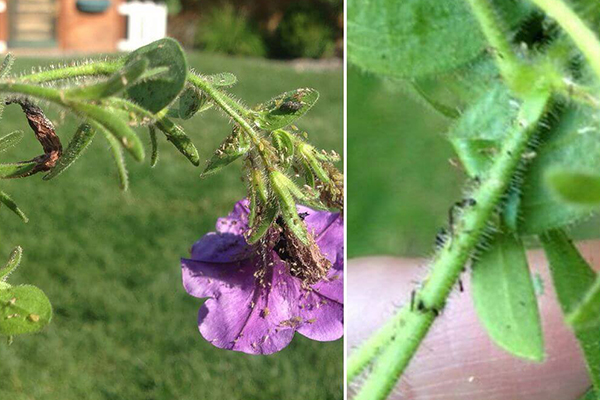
x,y
225,29
304,31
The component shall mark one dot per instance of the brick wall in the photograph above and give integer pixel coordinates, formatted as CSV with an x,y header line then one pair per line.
x,y
85,32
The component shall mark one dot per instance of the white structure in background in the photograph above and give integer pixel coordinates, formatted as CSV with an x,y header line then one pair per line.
x,y
2,42
146,22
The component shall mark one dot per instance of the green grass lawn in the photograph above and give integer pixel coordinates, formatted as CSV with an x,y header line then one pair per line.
x,y
400,181
124,328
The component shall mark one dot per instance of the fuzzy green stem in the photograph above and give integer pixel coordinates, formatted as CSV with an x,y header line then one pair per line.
x,y
496,34
225,103
91,69
585,39
400,338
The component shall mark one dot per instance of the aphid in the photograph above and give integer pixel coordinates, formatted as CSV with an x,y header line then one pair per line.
x,y
460,286
290,106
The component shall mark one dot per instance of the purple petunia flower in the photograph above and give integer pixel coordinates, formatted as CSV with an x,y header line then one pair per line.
x,y
256,305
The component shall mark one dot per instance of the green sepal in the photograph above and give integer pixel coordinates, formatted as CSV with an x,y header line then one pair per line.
x,y
233,147
176,135
10,140
287,206
283,142
81,140
505,298
308,154
573,277
264,217
13,263
23,309
16,170
191,101
8,202
286,108
159,91
115,84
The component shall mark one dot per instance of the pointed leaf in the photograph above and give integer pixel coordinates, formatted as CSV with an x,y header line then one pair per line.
x,y
573,277
116,126
154,144
117,154
13,263
23,309
223,79
81,140
286,108
118,82
587,313
16,170
176,135
10,140
232,148
6,66
192,101
157,92
505,298
8,202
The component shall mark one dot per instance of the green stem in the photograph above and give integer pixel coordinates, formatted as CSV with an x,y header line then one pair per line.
x,y
232,110
91,69
399,339
509,64
585,39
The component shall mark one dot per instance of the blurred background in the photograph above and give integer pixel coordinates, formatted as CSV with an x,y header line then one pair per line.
x,y
123,326
401,178
281,29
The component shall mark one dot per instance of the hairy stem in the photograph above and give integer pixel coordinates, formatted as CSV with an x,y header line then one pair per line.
x,y
585,39
91,69
225,104
400,338
508,63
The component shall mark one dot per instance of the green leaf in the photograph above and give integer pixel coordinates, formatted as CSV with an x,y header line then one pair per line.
x,y
192,101
412,38
233,147
154,145
159,91
81,140
23,309
223,79
176,135
10,140
116,126
117,154
118,82
16,170
590,395
13,263
572,145
575,187
283,142
8,202
6,66
478,134
505,298
587,313
286,108
573,277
